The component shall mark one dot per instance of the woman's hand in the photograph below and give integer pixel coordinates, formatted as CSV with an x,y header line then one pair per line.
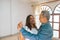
x,y
20,25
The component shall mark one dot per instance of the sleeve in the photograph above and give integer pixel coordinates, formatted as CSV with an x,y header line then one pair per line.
x,y
24,32
27,34
33,31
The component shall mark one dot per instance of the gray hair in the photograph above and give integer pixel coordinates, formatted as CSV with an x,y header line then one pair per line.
x,y
46,14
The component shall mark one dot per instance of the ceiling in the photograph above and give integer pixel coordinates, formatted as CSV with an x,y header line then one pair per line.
x,y
36,1
42,0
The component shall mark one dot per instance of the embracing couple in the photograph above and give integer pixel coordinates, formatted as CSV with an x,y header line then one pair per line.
x,y
30,31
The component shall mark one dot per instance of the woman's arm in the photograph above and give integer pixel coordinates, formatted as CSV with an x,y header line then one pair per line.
x,y
21,37
19,27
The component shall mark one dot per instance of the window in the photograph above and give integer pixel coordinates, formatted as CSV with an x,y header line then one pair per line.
x,y
56,21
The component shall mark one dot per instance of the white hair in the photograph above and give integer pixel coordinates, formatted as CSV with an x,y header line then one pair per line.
x,y
46,14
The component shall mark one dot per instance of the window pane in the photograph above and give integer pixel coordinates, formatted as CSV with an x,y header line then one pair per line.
x,y
46,8
37,18
37,22
50,18
56,18
56,34
51,24
56,26
57,9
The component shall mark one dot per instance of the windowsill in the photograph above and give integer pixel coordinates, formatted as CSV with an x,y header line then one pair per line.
x,y
55,38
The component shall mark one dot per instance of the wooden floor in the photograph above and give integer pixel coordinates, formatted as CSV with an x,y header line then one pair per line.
x,y
15,37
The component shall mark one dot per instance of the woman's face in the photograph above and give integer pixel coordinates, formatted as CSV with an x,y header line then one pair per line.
x,y
32,20
42,19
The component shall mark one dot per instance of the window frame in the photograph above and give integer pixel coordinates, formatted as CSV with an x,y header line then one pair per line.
x,y
59,17
55,22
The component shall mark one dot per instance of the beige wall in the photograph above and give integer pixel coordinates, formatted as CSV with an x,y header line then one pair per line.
x,y
52,5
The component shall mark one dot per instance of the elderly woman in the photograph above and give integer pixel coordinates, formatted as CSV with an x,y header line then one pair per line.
x,y
45,31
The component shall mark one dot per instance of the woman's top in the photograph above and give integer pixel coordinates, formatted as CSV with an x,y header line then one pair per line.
x,y
27,33
33,30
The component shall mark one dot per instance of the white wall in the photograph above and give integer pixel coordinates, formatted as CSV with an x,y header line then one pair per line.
x,y
12,12
19,12
4,17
